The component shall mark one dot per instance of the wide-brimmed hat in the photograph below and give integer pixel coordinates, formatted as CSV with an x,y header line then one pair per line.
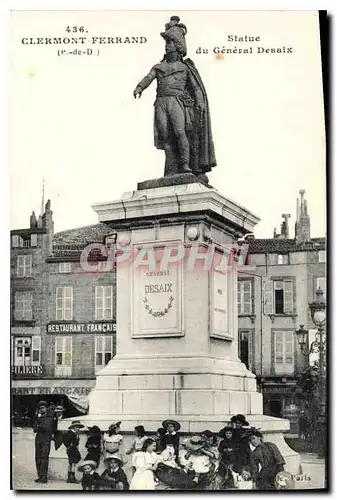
x,y
195,443
140,428
116,457
173,422
86,462
240,418
59,408
76,423
223,431
95,430
42,403
114,425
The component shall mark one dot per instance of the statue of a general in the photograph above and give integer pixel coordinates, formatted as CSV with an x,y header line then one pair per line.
x,y
182,125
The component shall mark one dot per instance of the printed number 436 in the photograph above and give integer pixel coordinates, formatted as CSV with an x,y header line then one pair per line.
x,y
75,29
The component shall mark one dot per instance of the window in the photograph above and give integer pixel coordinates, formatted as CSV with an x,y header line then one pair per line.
x,y
283,352
103,302
322,256
33,240
64,303
63,356
321,283
283,259
244,348
24,266
283,297
65,267
244,297
23,306
103,352
27,351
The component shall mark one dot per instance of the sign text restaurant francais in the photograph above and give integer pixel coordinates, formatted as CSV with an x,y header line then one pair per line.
x,y
81,327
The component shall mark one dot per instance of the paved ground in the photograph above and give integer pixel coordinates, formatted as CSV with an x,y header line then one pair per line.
x,y
24,472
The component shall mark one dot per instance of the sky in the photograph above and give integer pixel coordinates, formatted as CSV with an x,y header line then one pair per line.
x,y
75,123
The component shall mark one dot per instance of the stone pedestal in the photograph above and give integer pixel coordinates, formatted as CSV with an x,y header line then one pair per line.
x,y
177,345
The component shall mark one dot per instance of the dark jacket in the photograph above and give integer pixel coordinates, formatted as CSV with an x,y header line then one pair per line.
x,y
91,482
269,460
112,480
71,442
93,446
44,427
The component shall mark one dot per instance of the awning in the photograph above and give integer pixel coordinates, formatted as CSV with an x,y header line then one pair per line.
x,y
68,387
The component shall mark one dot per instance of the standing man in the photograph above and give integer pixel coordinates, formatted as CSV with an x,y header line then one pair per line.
x,y
266,462
44,427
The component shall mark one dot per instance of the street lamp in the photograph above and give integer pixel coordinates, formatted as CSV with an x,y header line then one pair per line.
x,y
318,315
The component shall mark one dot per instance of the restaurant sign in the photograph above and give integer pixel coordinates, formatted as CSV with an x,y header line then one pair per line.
x,y
67,391
81,327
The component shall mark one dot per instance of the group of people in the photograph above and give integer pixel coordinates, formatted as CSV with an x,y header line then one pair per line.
x,y
235,457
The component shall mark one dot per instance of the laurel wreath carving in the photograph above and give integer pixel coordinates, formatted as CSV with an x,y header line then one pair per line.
x,y
159,312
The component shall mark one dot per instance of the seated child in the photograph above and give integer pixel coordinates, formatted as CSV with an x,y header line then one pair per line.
x,y
168,456
137,444
90,478
114,477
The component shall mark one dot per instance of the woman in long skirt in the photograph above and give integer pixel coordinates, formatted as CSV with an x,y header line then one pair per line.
x,y
145,463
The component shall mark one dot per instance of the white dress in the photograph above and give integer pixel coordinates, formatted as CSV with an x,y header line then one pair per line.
x,y
111,444
143,478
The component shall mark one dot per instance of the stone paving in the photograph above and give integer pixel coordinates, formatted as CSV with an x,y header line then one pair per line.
x,y
24,472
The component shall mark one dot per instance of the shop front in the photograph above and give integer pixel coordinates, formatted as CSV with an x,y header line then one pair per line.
x,y
71,394
280,400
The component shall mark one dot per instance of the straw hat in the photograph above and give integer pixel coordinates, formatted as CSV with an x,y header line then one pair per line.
x,y
195,443
92,464
116,457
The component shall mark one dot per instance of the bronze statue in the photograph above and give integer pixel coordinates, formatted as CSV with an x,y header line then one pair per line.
x,y
182,126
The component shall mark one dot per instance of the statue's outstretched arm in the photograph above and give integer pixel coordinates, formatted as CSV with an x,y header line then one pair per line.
x,y
145,82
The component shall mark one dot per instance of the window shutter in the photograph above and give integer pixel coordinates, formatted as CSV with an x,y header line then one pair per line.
x,y
15,240
108,303
36,351
33,240
239,297
68,302
247,296
58,347
20,241
288,297
268,292
67,350
99,302
59,303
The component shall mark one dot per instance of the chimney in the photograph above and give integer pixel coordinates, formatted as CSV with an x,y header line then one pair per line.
x,y
33,221
285,225
48,223
275,235
302,226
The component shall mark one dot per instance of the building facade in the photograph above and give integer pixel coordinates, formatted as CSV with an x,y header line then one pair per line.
x,y
63,326
273,297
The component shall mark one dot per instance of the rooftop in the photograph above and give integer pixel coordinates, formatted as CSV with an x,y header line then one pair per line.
x,y
283,245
